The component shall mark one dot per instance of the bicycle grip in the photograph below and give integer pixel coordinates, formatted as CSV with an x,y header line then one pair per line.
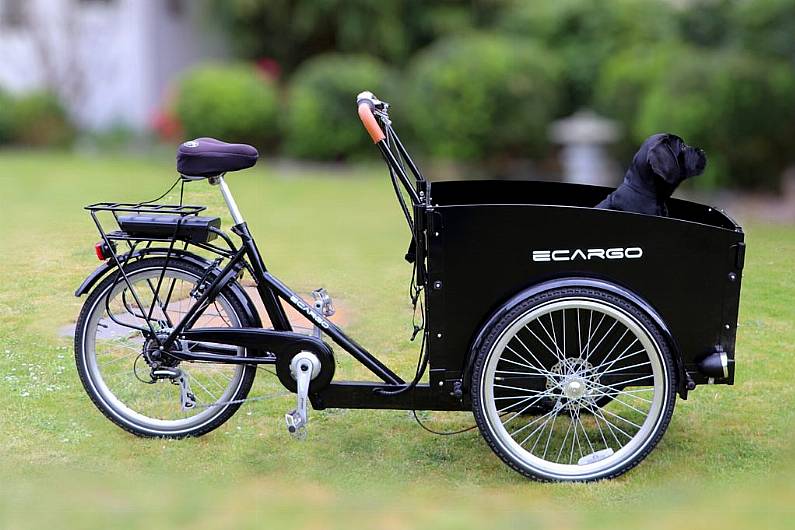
x,y
368,120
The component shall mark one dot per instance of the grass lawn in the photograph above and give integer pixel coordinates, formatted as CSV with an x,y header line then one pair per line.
x,y
727,460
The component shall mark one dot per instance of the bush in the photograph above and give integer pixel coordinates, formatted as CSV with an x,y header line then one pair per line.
x,y
736,106
6,117
233,103
479,96
39,120
321,121
587,33
624,82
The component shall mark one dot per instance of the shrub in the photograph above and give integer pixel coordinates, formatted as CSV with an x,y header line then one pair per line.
x,y
624,82
736,106
587,33
321,121
479,96
233,103
39,120
6,117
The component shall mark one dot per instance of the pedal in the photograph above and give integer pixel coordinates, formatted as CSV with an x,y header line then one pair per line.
x,y
187,399
296,425
323,305
304,367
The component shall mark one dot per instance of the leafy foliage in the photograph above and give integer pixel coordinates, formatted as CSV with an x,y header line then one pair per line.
x,y
479,95
6,117
291,31
321,121
235,103
736,106
39,120
587,33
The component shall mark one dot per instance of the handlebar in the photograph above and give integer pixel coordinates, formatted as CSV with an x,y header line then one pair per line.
x,y
367,103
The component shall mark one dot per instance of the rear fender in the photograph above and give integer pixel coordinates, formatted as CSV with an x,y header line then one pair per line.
x,y
252,315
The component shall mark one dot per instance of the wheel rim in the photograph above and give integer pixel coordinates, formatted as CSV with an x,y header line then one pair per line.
x,y
574,389
110,353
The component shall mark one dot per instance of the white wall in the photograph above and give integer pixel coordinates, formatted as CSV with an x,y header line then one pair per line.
x,y
110,60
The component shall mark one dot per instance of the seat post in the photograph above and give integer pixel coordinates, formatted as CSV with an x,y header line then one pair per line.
x,y
228,199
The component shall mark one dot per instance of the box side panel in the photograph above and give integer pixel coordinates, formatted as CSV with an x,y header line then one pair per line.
x,y
480,256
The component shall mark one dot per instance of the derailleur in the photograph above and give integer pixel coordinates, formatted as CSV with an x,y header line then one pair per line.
x,y
177,376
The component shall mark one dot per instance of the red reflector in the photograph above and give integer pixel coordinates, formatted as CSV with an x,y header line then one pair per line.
x,y
98,250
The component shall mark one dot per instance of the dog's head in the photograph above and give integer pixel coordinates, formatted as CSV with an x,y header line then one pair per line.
x,y
671,159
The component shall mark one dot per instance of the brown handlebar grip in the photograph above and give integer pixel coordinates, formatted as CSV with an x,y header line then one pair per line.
x,y
370,123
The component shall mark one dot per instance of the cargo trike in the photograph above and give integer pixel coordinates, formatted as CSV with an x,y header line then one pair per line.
x,y
568,331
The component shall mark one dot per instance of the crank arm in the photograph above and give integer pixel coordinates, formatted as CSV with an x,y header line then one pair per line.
x,y
304,367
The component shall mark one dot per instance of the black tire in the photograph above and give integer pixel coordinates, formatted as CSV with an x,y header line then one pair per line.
x,y
94,305
579,393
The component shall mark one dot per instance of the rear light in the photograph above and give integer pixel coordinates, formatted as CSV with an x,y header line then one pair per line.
x,y
103,251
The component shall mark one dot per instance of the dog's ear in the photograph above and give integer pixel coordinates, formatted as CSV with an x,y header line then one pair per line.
x,y
662,162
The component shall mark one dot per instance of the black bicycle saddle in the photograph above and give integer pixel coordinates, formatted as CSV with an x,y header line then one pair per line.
x,y
208,157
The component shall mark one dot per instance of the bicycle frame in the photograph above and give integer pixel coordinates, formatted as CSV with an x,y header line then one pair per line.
x,y
273,293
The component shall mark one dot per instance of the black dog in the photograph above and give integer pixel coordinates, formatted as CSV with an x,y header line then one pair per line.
x,y
661,163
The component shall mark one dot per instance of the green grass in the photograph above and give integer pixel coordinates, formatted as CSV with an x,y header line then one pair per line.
x,y
726,460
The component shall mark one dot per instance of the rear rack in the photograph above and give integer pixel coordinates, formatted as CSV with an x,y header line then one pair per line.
x,y
144,208
161,224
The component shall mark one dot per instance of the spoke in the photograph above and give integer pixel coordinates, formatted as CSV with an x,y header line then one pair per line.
x,y
531,374
526,390
604,336
622,418
212,396
563,444
539,418
625,368
541,427
587,439
601,432
552,337
596,368
549,436
517,337
541,434
575,438
612,392
626,330
125,356
626,383
523,400
212,380
621,356
645,414
544,344
516,414
597,412
528,365
591,334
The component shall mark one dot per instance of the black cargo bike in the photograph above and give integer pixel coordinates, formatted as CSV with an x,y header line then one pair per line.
x,y
567,330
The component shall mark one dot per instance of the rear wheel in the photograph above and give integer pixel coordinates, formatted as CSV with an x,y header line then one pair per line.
x,y
573,384
113,353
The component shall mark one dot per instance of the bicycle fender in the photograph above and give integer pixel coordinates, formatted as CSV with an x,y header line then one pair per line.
x,y
581,282
103,270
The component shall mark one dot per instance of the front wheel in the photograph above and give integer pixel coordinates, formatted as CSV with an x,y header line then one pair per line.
x,y
573,384
113,352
